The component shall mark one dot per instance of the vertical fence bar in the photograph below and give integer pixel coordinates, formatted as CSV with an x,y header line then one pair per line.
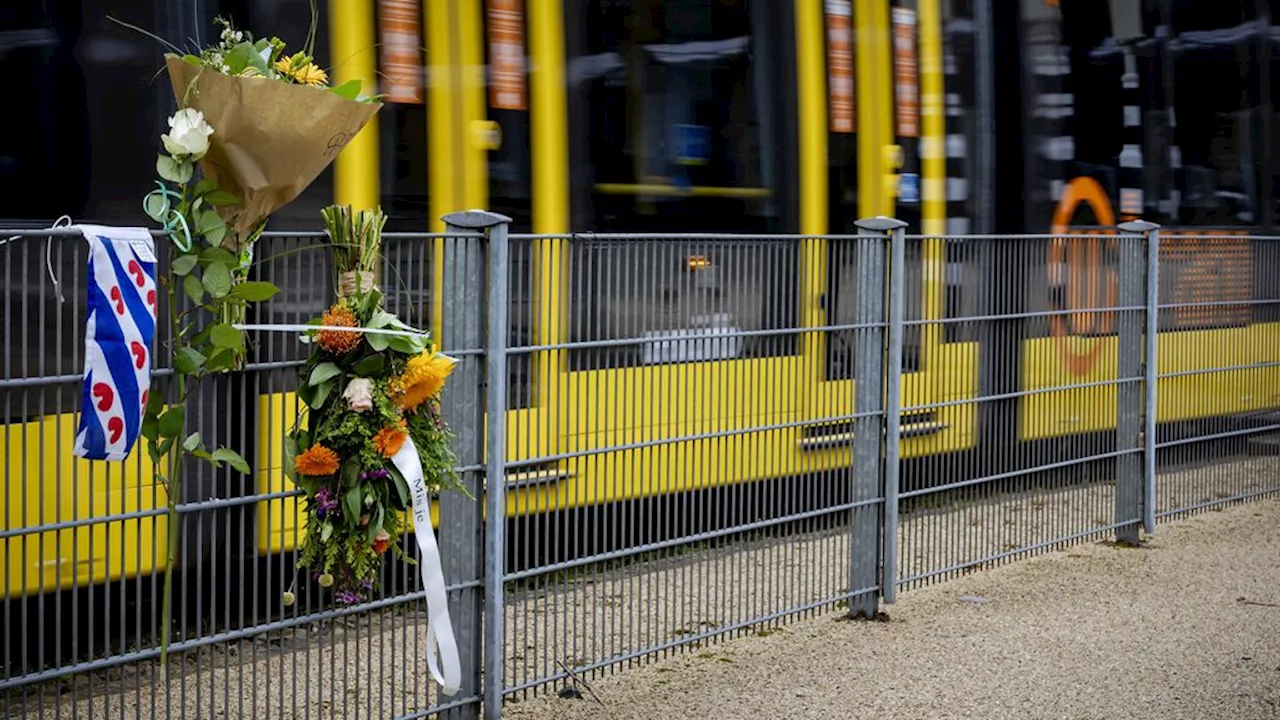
x,y
1130,483
893,407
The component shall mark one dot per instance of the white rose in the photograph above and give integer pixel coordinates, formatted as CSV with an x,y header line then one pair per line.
x,y
359,394
188,135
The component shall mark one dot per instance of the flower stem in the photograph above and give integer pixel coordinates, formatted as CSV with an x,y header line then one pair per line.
x,y
173,488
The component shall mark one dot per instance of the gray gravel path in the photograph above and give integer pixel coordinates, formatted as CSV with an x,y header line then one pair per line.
x,y
1186,627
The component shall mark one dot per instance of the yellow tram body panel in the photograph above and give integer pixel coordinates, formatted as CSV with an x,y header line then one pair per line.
x,y
1057,413
47,484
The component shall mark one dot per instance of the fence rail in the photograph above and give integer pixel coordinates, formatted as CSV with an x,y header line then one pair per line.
x,y
700,436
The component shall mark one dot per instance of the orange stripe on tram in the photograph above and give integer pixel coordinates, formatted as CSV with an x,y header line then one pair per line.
x,y
1076,266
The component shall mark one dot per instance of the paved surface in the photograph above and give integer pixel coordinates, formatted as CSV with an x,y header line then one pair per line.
x,y
1185,627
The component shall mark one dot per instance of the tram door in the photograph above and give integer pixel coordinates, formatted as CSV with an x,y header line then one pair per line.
x,y
884,142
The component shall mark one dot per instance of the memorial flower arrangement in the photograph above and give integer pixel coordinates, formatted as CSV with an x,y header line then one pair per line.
x,y
254,128
372,402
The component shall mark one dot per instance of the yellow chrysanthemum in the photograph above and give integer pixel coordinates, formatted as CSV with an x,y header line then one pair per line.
x,y
423,377
301,70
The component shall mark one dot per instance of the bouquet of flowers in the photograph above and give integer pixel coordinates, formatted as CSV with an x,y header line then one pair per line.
x,y
262,124
371,438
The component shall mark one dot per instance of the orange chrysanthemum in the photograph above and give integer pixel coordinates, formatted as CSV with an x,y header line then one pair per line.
x,y
389,440
316,460
337,341
422,379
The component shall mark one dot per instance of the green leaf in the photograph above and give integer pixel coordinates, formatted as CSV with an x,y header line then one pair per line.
x,y
381,319
153,450
208,221
184,264
375,522
192,442
400,500
254,291
354,503
324,371
156,206
223,359
290,452
204,186
171,422
232,458
351,471
378,341
191,59
217,280
223,335
151,429
349,89
370,366
172,170
221,198
215,236
326,532
323,390
155,403
241,56
405,344
188,360
194,289
217,255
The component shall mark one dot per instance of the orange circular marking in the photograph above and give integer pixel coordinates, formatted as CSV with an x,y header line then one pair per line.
x,y
1081,264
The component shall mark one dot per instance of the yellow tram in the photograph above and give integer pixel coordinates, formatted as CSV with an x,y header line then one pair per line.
x,y
542,109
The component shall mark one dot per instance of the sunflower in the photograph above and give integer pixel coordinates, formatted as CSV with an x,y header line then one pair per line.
x,y
316,460
337,341
300,69
390,439
422,378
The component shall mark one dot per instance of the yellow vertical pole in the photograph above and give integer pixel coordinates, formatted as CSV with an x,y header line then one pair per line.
x,y
353,53
934,168
549,134
811,101
440,139
470,41
873,93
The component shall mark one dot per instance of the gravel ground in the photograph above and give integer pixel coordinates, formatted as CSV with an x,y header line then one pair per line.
x,y
1185,627
372,666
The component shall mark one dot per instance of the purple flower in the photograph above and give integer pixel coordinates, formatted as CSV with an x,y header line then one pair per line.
x,y
366,585
379,474
325,502
346,597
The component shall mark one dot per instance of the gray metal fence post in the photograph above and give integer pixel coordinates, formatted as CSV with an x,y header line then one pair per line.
x,y
1150,369
1131,485
476,282
868,432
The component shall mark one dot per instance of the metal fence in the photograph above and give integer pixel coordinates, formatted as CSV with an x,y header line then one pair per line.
x,y
703,435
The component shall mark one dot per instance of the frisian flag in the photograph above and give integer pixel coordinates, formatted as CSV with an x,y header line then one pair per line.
x,y
118,333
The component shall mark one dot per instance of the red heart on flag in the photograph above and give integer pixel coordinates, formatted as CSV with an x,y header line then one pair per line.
x,y
105,396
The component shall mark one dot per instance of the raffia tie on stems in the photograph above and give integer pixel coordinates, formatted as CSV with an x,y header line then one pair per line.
x,y
355,282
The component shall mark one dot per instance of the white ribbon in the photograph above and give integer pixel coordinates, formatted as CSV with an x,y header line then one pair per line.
x,y
439,628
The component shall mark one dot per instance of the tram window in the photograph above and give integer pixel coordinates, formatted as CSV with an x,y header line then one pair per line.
x,y
1217,101
682,115
505,49
681,300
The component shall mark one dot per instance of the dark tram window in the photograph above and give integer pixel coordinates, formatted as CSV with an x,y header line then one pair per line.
x,y
680,115
1218,112
681,300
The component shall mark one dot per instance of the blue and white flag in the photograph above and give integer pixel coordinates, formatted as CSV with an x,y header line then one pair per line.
x,y
117,340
